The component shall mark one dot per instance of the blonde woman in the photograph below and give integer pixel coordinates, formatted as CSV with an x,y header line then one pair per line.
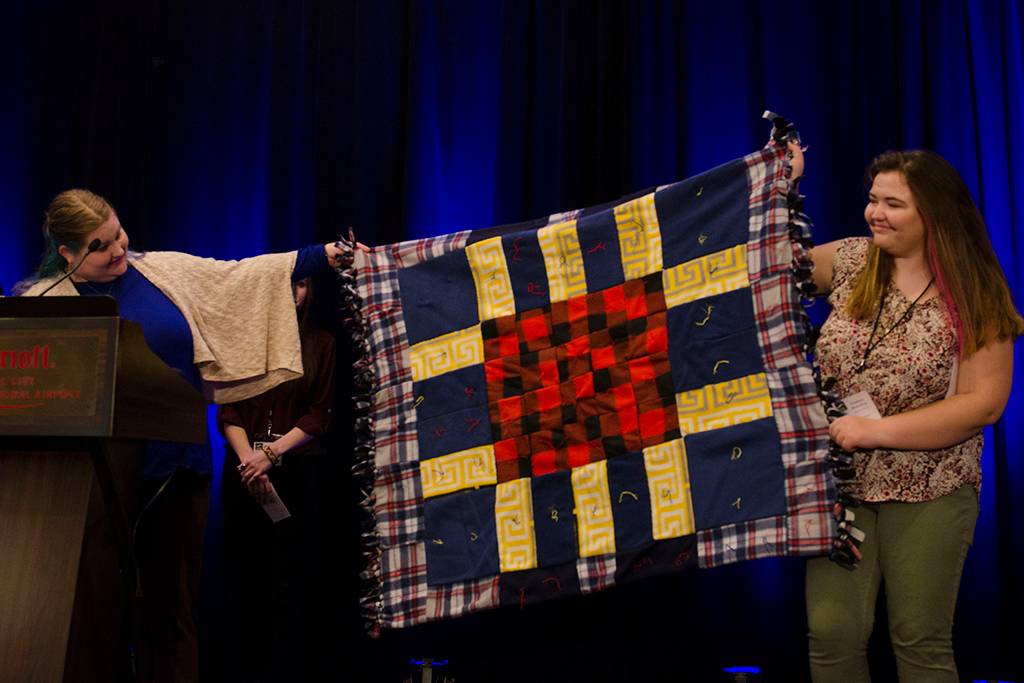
x,y
229,328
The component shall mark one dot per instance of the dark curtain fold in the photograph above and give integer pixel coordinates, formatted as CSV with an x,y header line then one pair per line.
x,y
229,129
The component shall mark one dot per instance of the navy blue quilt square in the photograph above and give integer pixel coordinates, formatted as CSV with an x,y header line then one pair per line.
x,y
709,361
454,432
736,474
712,317
536,585
526,270
482,234
460,536
656,559
599,245
450,392
553,522
631,502
438,297
706,213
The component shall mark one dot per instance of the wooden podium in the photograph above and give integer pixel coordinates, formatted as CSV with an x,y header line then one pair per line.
x,y
79,391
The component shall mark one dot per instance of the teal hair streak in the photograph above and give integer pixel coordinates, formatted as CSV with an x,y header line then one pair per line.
x,y
53,263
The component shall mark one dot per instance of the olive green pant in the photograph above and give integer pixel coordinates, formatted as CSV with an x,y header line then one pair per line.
x,y
917,550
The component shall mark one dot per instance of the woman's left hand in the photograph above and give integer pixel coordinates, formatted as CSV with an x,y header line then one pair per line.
x,y
853,432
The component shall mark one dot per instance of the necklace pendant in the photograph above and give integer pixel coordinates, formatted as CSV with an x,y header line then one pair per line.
x,y
860,367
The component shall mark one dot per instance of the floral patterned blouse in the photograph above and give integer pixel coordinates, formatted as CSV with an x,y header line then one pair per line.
x,y
910,368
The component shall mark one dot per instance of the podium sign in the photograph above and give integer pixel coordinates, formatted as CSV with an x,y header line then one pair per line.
x,y
57,380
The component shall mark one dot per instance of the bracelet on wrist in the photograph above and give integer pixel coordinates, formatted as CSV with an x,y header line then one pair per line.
x,y
273,457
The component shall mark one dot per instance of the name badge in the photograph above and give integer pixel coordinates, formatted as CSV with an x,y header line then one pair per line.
x,y
860,404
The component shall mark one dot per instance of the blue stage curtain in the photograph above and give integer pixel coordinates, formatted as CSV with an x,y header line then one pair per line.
x,y
228,129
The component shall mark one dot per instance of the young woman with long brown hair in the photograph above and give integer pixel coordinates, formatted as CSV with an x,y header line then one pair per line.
x,y
922,327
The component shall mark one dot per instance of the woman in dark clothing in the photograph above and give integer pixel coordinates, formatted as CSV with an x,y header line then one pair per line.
x,y
273,441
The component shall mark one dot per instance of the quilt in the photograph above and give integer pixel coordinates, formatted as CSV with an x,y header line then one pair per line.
x,y
555,407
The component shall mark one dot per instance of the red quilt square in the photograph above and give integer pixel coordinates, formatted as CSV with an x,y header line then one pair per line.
x,y
548,398
658,424
534,328
578,347
508,344
505,450
641,370
584,453
583,385
510,409
494,370
543,463
549,373
657,340
629,423
614,299
577,308
652,422
578,454
636,307
625,399
602,357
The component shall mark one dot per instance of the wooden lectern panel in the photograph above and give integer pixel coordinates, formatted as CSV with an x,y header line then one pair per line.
x,y
43,506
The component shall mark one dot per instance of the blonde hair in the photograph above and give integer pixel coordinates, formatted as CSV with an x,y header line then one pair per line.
x,y
71,217
967,274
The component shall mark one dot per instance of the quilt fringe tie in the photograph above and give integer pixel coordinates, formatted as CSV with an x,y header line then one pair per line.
x,y
847,540
363,384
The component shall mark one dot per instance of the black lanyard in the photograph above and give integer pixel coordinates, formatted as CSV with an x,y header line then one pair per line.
x,y
874,328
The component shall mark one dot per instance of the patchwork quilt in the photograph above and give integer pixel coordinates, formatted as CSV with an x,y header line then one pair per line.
x,y
555,407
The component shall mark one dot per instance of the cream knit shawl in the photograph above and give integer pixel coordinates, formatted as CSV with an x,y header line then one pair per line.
x,y
245,337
